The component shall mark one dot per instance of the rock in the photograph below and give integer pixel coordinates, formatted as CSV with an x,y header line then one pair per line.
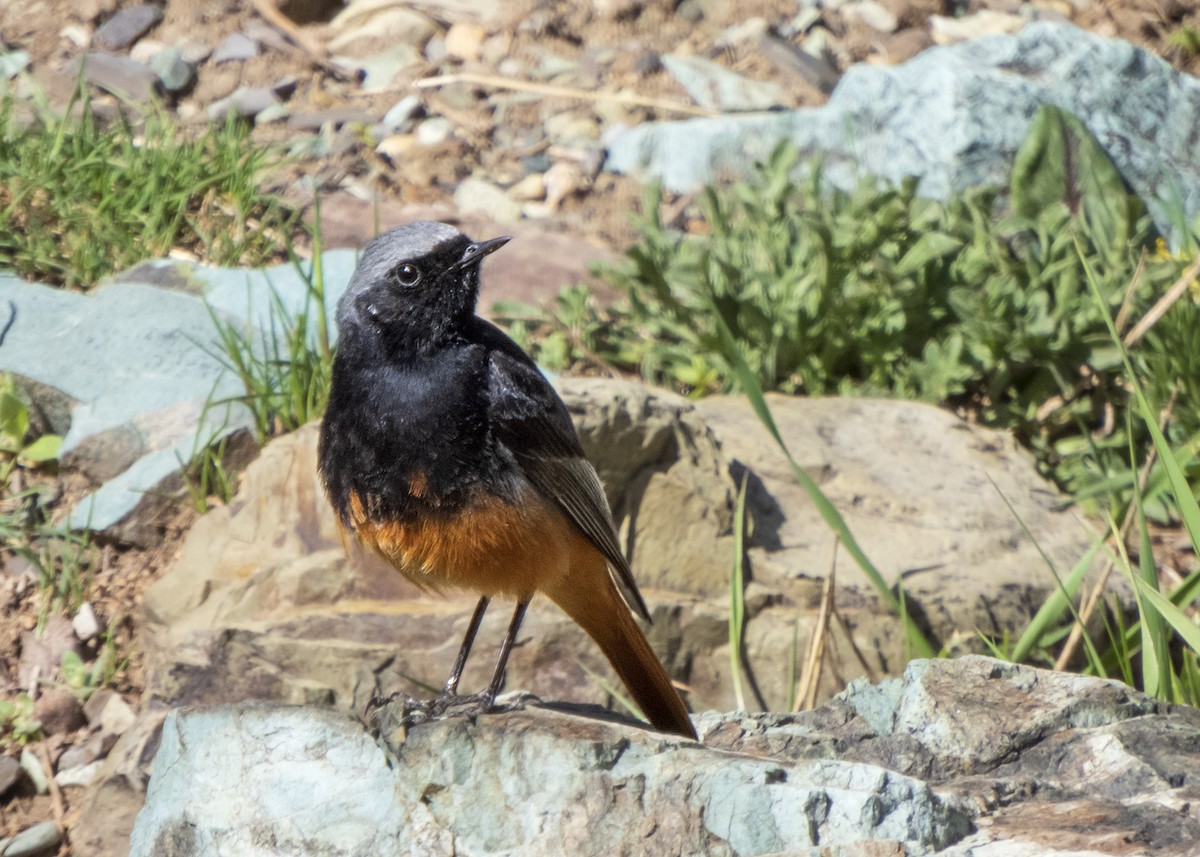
x,y
32,766
59,711
12,63
244,101
84,622
145,50
378,69
32,841
954,758
396,146
477,195
94,707
463,41
128,426
954,117
401,114
94,749
10,774
582,786
529,189
116,74
335,117
434,131
108,807
80,776
869,13
172,69
126,27
116,718
986,22
373,22
236,47
720,90
194,53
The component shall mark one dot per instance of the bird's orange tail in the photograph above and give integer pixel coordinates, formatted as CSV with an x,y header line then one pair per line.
x,y
589,596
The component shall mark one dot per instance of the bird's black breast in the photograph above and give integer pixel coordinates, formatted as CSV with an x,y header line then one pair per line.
x,y
407,439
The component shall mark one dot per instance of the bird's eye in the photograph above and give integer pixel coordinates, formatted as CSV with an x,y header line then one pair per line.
x,y
408,275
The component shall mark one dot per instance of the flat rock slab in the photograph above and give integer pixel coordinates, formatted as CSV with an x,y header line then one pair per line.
x,y
954,117
960,758
264,602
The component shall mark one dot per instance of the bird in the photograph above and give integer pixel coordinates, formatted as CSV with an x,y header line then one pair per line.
x,y
444,449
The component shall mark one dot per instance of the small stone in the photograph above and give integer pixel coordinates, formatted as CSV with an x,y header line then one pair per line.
x,y
617,9
35,840
10,774
33,769
334,116
243,102
82,775
194,52
532,188
77,34
396,146
126,27
434,131
95,705
871,14
236,47
562,181
93,749
380,68
117,716
947,31
172,69
435,49
84,623
463,41
717,88
478,195
119,75
59,711
402,113
570,128
396,25
145,50
746,33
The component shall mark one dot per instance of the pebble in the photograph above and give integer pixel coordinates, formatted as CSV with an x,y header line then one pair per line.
x,y
10,774
379,68
435,49
172,69
434,131
117,716
59,711
335,116
236,47
118,75
84,623
126,27
93,749
872,14
464,40
532,188
33,769
947,31
396,146
81,775
395,25
78,35
145,50
34,840
401,114
478,195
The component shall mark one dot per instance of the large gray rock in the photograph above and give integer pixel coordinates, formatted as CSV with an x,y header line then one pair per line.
x,y
954,116
968,757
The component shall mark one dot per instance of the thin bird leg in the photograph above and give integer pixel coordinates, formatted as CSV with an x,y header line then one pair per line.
x,y
510,637
451,688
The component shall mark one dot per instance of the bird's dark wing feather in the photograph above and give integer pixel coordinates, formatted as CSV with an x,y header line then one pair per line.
x,y
529,418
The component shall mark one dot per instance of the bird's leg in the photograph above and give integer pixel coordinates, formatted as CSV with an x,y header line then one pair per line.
x,y
418,709
480,703
451,688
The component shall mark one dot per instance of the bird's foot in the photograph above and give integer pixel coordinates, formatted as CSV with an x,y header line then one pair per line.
x,y
401,711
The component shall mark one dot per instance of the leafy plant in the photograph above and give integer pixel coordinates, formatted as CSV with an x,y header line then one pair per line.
x,y
285,367
82,197
18,725
15,446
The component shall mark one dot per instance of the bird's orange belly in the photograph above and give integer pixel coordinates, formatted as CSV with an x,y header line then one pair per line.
x,y
491,546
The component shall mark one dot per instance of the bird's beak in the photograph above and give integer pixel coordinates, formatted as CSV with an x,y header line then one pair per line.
x,y
474,254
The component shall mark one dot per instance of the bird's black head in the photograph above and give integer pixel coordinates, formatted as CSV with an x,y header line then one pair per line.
x,y
414,284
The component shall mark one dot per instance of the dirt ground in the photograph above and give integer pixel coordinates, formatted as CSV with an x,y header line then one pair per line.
x,y
613,47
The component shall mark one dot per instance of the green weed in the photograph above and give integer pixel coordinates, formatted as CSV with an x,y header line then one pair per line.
x,y
81,197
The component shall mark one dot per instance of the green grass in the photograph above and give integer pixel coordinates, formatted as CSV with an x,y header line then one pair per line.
x,y
82,198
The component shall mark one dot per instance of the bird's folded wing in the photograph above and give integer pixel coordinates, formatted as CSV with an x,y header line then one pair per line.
x,y
529,418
